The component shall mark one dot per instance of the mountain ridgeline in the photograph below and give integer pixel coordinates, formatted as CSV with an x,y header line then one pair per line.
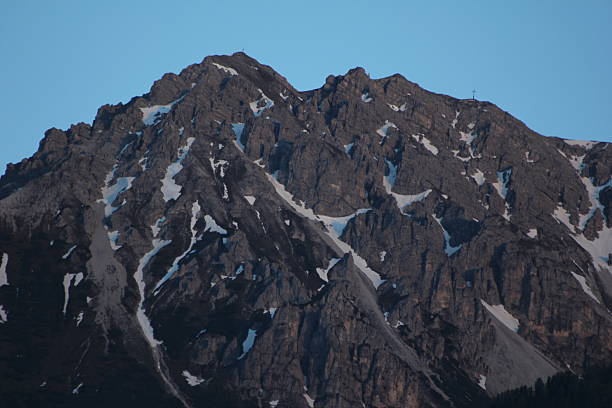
x,y
229,241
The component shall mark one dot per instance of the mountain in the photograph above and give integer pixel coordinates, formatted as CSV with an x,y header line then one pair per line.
x,y
229,241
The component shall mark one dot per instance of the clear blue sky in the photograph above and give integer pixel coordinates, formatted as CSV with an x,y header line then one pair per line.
x,y
547,62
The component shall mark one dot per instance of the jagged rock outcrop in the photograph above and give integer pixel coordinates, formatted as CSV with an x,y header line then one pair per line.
x,y
231,241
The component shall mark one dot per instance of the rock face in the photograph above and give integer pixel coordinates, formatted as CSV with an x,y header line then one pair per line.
x,y
228,241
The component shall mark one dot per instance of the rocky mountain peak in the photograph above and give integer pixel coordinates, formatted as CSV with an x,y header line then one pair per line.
x,y
227,239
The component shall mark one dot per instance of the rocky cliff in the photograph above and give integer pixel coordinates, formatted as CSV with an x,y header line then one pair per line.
x,y
229,241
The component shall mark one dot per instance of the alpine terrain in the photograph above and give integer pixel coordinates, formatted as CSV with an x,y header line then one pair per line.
x,y
229,241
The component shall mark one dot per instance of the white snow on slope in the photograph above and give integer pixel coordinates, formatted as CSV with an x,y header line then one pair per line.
x,y
229,70
238,129
3,315
384,129
503,177
426,143
323,272
250,199
3,265
532,233
467,138
248,343
448,249
365,97
309,400
587,144
348,147
454,122
69,278
169,189
500,313
402,200
212,226
110,193
338,224
478,177
563,216
482,382
600,247
344,247
155,228
218,164
596,204
79,318
113,237
192,380
152,114
195,211
75,390
143,320
584,285
67,254
261,104
395,108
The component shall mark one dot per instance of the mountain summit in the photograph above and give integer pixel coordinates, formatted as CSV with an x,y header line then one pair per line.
x,y
229,241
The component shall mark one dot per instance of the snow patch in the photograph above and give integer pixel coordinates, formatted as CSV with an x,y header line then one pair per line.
x,y
74,278
113,237
169,189
382,255
238,129
250,199
348,147
585,287
587,144
75,391
272,311
3,315
402,200
212,226
3,275
323,272
229,70
309,400
261,104
195,211
500,313
426,143
248,343
365,97
563,217
110,192
478,177
384,129
448,249
344,247
395,108
454,122
152,114
79,318
338,224
532,233
143,320
67,254
482,381
192,380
